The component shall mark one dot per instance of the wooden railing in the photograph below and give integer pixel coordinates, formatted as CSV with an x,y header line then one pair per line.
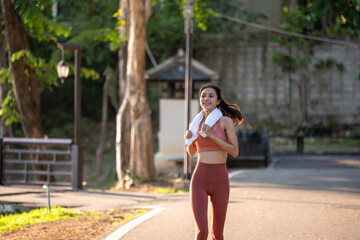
x,y
39,161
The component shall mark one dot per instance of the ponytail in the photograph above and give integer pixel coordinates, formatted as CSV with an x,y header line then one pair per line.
x,y
230,110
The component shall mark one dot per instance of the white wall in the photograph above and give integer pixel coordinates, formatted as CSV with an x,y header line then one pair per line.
x,y
171,130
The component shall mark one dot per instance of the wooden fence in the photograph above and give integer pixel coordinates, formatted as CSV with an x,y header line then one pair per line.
x,y
39,161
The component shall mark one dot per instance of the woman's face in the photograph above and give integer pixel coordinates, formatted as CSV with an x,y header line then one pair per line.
x,y
208,99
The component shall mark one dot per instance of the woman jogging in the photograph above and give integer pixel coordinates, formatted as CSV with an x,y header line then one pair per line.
x,y
212,143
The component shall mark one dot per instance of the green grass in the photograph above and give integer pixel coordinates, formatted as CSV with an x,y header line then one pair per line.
x,y
164,190
341,145
168,190
332,145
11,222
182,191
134,214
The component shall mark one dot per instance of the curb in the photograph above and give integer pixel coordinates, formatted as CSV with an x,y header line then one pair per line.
x,y
127,227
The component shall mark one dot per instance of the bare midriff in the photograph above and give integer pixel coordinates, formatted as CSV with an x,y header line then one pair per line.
x,y
212,157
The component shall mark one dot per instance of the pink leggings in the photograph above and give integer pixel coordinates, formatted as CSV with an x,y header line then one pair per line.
x,y
209,180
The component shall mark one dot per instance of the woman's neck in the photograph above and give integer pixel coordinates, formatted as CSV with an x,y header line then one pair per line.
x,y
207,113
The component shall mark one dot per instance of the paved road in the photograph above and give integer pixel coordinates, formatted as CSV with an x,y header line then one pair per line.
x,y
298,197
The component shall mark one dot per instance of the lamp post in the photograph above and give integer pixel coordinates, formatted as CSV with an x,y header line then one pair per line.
x,y
62,68
188,15
63,71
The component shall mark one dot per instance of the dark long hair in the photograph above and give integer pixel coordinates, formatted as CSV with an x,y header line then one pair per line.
x,y
230,110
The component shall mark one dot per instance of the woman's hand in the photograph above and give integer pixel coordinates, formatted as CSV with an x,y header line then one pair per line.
x,y
188,134
207,129
192,148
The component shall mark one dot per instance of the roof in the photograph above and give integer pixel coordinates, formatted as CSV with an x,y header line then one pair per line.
x,y
173,69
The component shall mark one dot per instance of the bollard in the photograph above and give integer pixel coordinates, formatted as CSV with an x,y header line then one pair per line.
x,y
48,195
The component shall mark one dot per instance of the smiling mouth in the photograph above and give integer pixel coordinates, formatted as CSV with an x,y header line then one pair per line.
x,y
207,106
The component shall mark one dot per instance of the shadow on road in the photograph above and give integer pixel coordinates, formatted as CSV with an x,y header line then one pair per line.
x,y
339,173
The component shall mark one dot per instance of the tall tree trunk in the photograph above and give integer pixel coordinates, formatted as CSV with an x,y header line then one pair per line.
x,y
100,148
141,146
121,140
123,117
113,89
125,113
122,55
132,88
23,77
6,131
148,11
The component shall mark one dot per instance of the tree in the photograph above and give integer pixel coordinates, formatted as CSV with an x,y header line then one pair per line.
x,y
27,70
165,29
317,18
141,146
6,130
29,23
296,58
100,149
24,79
122,142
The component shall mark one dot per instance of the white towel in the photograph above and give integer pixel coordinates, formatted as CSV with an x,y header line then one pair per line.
x,y
213,117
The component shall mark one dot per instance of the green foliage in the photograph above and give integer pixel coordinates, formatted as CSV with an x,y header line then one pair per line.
x,y
165,29
5,75
92,14
340,67
36,16
45,72
65,131
165,37
9,110
202,15
107,35
296,21
88,73
357,76
286,62
307,20
232,8
94,21
94,26
324,64
335,17
329,123
11,222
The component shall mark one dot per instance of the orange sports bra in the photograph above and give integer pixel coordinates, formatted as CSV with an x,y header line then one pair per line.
x,y
207,144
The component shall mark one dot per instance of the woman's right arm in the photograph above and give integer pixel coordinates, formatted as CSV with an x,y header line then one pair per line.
x,y
191,150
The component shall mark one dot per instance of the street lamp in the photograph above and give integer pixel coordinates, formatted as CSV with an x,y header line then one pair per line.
x,y
63,71
188,15
62,68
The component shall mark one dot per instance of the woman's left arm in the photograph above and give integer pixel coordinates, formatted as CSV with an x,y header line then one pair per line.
x,y
232,147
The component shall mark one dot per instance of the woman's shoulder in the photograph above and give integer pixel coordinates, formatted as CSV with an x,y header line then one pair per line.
x,y
226,120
